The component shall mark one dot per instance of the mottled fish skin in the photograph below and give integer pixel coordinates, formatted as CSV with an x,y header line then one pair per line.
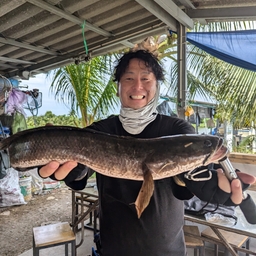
x,y
114,156
111,155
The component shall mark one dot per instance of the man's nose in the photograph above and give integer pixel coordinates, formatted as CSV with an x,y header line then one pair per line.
x,y
137,83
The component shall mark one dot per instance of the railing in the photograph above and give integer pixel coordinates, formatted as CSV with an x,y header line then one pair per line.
x,y
247,163
242,158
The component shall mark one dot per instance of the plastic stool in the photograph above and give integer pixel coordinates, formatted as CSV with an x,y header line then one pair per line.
x,y
53,235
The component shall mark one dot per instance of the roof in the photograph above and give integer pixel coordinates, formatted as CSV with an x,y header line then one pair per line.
x,y
40,35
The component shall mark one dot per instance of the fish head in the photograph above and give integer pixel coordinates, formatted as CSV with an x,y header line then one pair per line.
x,y
208,147
219,150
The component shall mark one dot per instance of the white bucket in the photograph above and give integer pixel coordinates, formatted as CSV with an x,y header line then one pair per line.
x,y
25,187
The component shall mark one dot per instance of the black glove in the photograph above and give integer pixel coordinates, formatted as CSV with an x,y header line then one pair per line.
x,y
208,190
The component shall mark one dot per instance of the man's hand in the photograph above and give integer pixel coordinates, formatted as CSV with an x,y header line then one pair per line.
x,y
219,190
60,171
234,187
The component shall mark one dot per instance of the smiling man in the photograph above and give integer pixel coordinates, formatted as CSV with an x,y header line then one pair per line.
x,y
159,229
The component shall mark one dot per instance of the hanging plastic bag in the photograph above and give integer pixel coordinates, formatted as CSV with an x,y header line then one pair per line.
x,y
15,100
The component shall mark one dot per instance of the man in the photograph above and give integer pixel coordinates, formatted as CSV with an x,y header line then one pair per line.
x,y
159,230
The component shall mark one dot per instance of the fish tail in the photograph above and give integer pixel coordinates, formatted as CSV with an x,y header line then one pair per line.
x,y
145,192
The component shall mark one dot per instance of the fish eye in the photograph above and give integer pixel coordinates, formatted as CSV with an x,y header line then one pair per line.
x,y
207,143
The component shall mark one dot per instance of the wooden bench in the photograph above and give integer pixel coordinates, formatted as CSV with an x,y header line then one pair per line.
x,y
233,239
53,235
191,239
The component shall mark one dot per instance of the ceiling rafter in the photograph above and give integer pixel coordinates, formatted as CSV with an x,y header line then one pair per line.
x,y
16,60
69,57
187,3
223,13
136,38
160,13
48,33
27,46
176,12
57,11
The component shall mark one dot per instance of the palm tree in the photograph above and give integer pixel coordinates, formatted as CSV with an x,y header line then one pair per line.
x,y
87,88
233,87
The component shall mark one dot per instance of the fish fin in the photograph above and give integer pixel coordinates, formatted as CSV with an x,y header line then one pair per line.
x,y
145,192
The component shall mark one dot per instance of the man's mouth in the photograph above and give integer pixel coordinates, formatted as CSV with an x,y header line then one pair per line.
x,y
137,97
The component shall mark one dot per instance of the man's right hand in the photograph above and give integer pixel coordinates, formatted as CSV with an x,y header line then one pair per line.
x,y
60,172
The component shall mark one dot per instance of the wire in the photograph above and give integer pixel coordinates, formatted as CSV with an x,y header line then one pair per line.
x,y
85,44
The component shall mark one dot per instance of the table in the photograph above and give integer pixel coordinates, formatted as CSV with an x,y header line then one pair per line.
x,y
84,203
242,227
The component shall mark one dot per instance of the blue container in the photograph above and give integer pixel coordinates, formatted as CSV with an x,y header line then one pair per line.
x,y
5,129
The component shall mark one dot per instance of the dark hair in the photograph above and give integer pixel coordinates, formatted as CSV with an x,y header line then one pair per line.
x,y
150,61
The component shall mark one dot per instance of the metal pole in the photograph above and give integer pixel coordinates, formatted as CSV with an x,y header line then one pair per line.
x,y
182,71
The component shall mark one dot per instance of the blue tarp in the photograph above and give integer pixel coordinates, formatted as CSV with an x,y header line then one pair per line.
x,y
235,47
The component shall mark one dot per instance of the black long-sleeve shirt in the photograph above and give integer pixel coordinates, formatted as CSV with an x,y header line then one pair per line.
x,y
159,230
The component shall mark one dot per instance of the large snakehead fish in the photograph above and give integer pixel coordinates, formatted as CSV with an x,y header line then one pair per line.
x,y
115,156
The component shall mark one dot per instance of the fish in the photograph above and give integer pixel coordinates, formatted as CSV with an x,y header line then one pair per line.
x,y
123,157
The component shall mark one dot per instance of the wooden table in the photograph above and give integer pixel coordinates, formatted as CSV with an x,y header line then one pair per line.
x,y
242,227
84,206
85,203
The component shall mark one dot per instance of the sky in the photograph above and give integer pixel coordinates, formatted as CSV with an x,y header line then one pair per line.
x,y
42,83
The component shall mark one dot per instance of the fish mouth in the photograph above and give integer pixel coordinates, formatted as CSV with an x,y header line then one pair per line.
x,y
220,152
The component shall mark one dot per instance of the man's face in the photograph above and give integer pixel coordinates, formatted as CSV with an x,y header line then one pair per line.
x,y
137,85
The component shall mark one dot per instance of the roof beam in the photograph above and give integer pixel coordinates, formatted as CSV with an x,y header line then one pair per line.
x,y
223,13
6,59
57,11
26,46
111,47
4,65
9,6
160,13
127,43
176,13
187,3
101,49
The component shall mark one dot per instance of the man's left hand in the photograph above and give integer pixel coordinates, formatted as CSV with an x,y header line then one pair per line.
x,y
234,187
218,189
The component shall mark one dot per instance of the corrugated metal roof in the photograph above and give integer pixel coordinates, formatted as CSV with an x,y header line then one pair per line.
x,y
39,35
